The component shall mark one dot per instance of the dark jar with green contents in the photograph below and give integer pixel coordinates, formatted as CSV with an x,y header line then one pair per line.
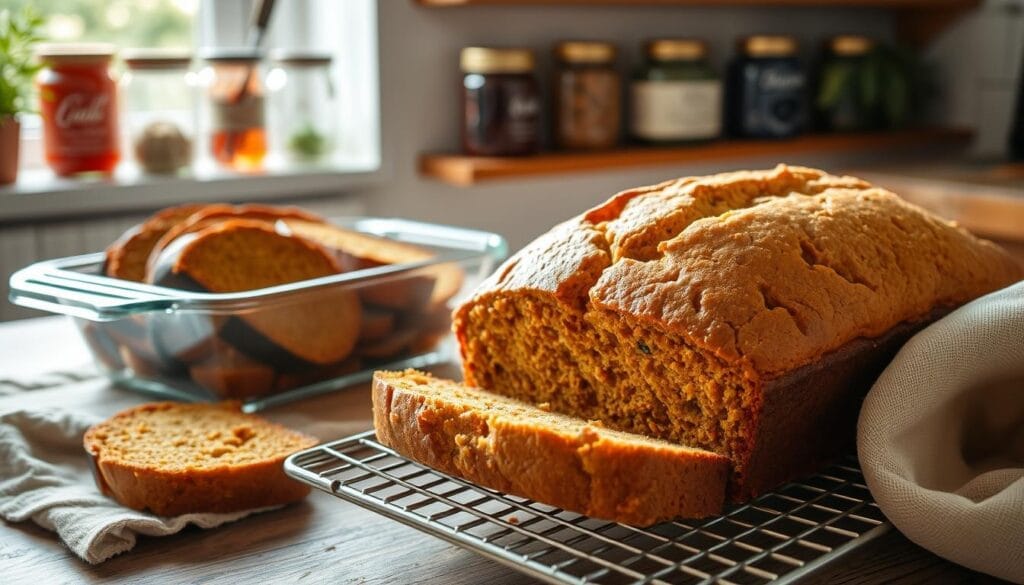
x,y
587,104
766,89
676,96
501,102
841,101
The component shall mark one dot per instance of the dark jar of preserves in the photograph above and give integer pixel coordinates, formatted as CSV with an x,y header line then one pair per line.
x,y
767,89
501,102
587,95
78,106
676,95
840,101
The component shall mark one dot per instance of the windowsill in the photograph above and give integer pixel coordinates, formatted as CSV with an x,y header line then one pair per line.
x,y
40,194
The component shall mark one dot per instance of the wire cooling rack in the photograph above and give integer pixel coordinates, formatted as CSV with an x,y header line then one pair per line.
x,y
780,537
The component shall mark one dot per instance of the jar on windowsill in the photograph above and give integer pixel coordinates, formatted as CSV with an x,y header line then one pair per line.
x,y
676,95
766,90
234,116
587,104
159,91
501,102
303,106
78,107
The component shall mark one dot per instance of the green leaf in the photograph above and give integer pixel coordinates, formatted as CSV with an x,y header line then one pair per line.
x,y
835,79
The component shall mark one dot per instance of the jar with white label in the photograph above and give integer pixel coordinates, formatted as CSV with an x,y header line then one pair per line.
x,y
677,95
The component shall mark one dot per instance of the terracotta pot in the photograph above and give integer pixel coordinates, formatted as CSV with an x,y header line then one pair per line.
x,y
10,132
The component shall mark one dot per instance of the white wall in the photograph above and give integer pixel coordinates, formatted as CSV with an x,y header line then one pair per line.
x,y
420,92
980,61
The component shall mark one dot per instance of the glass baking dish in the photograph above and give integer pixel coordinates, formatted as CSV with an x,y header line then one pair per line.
x,y
256,346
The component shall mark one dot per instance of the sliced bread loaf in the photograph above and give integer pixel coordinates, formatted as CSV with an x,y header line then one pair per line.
x,y
517,448
126,258
174,459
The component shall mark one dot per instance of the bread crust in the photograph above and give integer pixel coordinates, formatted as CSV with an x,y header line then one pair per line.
x,y
593,471
171,492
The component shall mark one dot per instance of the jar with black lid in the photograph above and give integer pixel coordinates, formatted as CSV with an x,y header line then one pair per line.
x,y
587,95
501,102
839,102
767,88
676,95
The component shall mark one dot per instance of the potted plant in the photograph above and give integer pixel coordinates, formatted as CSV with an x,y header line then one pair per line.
x,y
18,33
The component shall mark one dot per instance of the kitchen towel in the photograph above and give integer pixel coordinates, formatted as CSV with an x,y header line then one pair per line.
x,y
941,436
45,476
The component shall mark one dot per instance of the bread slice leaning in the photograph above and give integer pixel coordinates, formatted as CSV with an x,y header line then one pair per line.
x,y
520,449
174,459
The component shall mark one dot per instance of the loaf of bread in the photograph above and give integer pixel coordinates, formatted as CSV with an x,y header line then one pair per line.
x,y
517,448
173,459
744,313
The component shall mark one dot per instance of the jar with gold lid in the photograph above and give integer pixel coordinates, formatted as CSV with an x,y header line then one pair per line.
x,y
677,94
766,88
587,104
840,102
501,102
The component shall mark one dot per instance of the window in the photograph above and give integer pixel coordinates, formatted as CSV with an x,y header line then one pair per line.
x,y
347,30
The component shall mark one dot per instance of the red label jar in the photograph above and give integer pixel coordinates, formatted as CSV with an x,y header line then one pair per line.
x,y
78,105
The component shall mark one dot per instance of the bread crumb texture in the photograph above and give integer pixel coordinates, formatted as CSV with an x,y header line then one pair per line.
x,y
668,310
172,459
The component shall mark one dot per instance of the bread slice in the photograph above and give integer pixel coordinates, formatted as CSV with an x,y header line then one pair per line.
x,y
357,250
520,449
238,255
126,257
174,459
214,214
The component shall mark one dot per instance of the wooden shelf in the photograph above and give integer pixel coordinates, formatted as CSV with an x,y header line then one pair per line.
x,y
464,170
918,22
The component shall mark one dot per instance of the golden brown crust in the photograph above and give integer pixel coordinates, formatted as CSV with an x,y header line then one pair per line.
x,y
519,449
140,481
126,257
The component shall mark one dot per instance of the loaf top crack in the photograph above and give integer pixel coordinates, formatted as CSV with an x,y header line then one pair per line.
x,y
766,270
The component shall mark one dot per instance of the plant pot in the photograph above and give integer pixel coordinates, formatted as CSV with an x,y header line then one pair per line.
x,y
10,134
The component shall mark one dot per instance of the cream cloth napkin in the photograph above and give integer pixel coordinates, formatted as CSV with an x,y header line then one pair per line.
x,y
941,436
45,477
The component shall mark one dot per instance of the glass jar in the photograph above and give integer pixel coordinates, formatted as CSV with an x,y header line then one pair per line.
x,y
236,135
766,89
839,102
587,95
160,97
676,95
78,106
303,106
501,102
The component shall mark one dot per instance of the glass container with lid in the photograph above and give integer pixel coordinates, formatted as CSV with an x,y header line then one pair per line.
x,y
233,113
501,102
676,95
303,106
78,106
839,101
159,92
587,95
766,88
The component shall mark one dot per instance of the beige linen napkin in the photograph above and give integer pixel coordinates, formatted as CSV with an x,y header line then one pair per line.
x,y
941,436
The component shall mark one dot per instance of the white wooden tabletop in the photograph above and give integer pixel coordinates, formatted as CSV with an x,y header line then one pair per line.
x,y
318,541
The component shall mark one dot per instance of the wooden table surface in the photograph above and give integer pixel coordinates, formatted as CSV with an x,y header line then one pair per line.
x,y
320,540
